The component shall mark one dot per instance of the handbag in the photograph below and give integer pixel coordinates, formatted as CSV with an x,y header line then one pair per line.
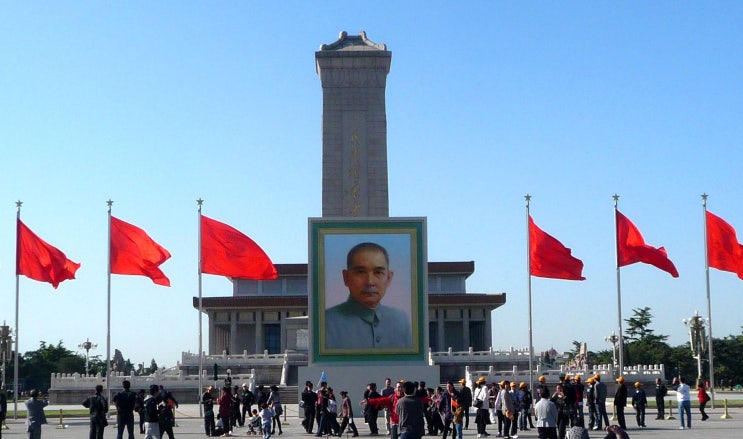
x,y
478,403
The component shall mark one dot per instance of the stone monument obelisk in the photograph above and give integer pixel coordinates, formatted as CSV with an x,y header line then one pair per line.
x,y
353,72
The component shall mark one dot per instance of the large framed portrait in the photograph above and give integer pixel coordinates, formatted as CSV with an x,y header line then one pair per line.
x,y
367,289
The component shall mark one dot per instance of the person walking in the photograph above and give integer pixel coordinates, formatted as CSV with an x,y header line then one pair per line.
x,y
703,397
266,415
274,401
445,408
35,416
98,407
683,399
639,402
309,401
620,401
347,415
124,402
660,393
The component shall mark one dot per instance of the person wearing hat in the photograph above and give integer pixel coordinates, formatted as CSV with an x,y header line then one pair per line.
x,y
508,408
481,401
601,393
207,399
639,402
571,401
591,402
579,393
465,395
620,401
542,385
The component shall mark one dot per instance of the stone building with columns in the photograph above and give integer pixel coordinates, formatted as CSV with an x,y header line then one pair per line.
x,y
272,316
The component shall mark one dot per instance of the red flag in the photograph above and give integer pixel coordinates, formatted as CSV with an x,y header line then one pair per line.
x,y
226,251
134,252
549,258
723,250
40,261
631,248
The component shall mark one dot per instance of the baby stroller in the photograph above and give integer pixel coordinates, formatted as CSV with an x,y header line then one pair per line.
x,y
254,424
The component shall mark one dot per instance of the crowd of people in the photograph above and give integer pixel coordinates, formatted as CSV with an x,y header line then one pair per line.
x,y
410,409
413,410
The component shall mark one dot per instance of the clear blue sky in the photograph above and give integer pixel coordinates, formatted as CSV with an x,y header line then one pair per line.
x,y
155,104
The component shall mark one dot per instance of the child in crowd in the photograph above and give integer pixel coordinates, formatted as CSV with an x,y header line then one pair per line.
x,y
266,414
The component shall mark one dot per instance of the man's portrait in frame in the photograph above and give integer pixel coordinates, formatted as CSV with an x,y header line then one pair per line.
x,y
368,297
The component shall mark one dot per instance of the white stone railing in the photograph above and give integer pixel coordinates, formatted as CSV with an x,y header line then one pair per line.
x,y
224,360
642,373
76,381
471,356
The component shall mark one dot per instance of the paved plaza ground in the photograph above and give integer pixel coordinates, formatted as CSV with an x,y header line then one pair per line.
x,y
190,425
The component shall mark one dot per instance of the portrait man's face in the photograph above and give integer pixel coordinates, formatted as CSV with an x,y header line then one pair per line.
x,y
367,277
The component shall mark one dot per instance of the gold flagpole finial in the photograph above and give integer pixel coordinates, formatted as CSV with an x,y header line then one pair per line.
x,y
704,200
616,199
199,202
18,204
527,197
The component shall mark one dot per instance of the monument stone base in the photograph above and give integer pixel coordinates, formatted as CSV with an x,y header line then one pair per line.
x,y
354,378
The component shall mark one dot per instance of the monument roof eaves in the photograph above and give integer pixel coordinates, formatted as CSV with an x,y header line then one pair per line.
x,y
347,42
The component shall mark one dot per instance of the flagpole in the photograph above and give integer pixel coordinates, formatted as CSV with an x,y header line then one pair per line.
x,y
108,309
619,290
709,303
199,202
527,197
18,205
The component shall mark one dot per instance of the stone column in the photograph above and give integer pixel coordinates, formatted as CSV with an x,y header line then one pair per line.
x,y
233,333
353,71
258,332
466,328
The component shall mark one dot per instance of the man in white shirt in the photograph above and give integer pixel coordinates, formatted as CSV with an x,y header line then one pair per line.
x,y
684,400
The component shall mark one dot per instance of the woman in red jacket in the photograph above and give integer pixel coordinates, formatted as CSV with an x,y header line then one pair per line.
x,y
703,397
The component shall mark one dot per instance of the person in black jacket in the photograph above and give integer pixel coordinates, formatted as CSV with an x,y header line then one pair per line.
x,y
247,399
207,399
139,407
309,399
151,415
125,402
620,401
98,407
372,413
660,392
465,394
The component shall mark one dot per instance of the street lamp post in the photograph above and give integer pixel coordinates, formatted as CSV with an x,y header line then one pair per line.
x,y
87,345
697,335
613,339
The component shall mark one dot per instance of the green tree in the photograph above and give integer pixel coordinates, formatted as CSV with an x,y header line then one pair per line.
x,y
37,366
638,327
